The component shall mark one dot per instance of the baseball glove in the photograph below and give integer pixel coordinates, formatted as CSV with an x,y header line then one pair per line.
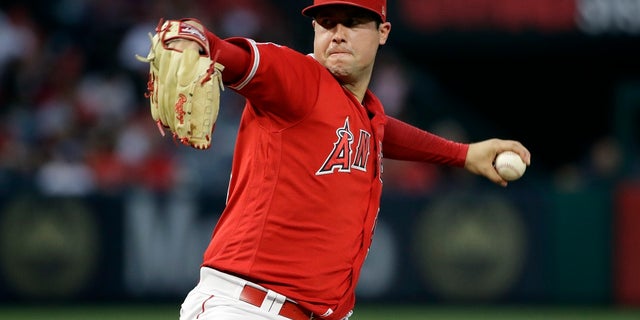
x,y
184,83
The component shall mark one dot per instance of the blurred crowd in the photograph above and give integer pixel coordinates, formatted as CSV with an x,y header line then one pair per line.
x,y
74,119
73,116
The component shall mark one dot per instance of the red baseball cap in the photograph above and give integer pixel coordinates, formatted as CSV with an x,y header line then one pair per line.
x,y
378,7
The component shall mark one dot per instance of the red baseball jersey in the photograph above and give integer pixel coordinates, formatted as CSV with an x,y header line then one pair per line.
x,y
305,181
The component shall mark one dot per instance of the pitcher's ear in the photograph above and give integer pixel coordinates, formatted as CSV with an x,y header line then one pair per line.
x,y
384,30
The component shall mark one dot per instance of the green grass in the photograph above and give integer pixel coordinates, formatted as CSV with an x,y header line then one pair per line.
x,y
170,312
495,313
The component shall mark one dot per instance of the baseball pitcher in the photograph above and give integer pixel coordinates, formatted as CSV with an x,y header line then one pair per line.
x,y
307,174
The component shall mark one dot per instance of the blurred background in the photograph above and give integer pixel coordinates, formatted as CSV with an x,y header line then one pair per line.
x,y
96,206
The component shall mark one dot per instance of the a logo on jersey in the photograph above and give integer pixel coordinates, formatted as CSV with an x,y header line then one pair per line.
x,y
342,158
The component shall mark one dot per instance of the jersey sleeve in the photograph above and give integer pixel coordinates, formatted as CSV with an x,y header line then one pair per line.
x,y
235,59
405,142
280,83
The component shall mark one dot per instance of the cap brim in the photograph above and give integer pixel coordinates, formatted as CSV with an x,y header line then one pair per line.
x,y
310,11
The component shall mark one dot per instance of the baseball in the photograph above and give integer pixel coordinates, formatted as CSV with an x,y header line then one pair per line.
x,y
509,165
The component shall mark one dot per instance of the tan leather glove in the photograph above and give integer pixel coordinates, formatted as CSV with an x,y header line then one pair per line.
x,y
185,82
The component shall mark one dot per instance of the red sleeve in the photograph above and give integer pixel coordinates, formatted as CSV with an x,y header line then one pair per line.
x,y
235,59
405,142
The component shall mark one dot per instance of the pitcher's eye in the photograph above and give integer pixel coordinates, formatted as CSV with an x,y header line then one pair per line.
x,y
327,23
350,22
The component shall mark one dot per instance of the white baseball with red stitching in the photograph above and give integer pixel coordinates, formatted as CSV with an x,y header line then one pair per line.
x,y
509,165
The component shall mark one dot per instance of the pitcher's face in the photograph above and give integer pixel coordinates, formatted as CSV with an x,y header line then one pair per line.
x,y
347,39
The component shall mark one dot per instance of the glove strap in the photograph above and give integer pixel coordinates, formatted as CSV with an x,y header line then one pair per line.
x,y
190,29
